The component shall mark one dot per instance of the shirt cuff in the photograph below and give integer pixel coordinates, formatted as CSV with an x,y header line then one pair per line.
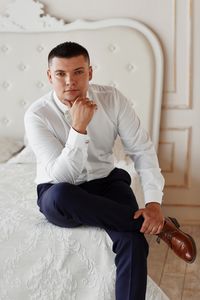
x,y
153,196
76,139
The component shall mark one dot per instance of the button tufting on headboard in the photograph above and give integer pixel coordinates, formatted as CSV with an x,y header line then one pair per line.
x,y
4,121
23,103
131,68
112,48
40,84
40,48
4,48
22,67
6,85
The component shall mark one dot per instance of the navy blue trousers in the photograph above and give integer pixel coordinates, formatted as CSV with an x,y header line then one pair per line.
x,y
108,203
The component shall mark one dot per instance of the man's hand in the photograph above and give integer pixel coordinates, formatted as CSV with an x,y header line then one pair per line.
x,y
153,218
82,112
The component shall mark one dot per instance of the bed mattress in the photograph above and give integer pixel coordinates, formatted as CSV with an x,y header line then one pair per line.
x,y
40,261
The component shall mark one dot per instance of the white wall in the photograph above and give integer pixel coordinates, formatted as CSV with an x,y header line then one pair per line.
x,y
177,24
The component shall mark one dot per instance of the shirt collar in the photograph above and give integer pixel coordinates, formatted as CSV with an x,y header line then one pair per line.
x,y
64,108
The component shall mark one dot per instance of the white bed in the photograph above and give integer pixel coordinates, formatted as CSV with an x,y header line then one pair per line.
x,y
39,261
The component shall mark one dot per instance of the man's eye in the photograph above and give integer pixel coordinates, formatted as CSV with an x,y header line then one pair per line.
x,y
60,74
78,72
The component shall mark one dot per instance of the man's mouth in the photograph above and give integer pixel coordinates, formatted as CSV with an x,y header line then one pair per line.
x,y
71,91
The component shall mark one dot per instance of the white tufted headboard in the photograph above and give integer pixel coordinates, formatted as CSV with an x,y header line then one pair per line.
x,y
124,53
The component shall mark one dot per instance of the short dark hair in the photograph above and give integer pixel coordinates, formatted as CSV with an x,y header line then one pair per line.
x,y
68,50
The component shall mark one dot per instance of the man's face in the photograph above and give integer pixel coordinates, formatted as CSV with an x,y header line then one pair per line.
x,y
69,77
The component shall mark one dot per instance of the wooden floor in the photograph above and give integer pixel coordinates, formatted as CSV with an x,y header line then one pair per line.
x,y
179,280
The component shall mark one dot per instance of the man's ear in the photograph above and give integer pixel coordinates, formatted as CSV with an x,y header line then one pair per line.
x,y
90,72
49,75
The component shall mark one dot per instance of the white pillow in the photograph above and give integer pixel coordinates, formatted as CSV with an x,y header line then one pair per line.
x,y
26,156
9,147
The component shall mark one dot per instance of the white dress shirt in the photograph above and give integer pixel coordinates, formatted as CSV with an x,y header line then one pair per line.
x,y
64,155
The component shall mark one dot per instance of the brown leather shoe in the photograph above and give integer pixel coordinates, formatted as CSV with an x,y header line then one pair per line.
x,y
180,242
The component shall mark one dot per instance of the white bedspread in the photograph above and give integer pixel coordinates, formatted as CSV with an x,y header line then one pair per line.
x,y
40,261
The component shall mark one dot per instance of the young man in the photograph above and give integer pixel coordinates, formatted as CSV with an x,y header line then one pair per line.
x,y
72,132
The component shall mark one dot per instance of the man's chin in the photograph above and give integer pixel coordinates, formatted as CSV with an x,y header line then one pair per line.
x,y
68,102
69,97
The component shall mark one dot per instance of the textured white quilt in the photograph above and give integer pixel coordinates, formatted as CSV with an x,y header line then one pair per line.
x,y
39,261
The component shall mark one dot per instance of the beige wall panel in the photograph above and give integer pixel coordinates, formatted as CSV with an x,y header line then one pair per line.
x,y
174,154
185,214
181,96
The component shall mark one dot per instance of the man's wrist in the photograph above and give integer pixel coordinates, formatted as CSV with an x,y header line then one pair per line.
x,y
153,204
80,130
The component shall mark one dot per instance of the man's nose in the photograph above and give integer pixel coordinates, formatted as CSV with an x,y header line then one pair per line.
x,y
69,79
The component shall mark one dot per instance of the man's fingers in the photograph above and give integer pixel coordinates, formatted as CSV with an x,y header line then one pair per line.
x,y
159,228
81,99
146,227
151,229
85,101
138,213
